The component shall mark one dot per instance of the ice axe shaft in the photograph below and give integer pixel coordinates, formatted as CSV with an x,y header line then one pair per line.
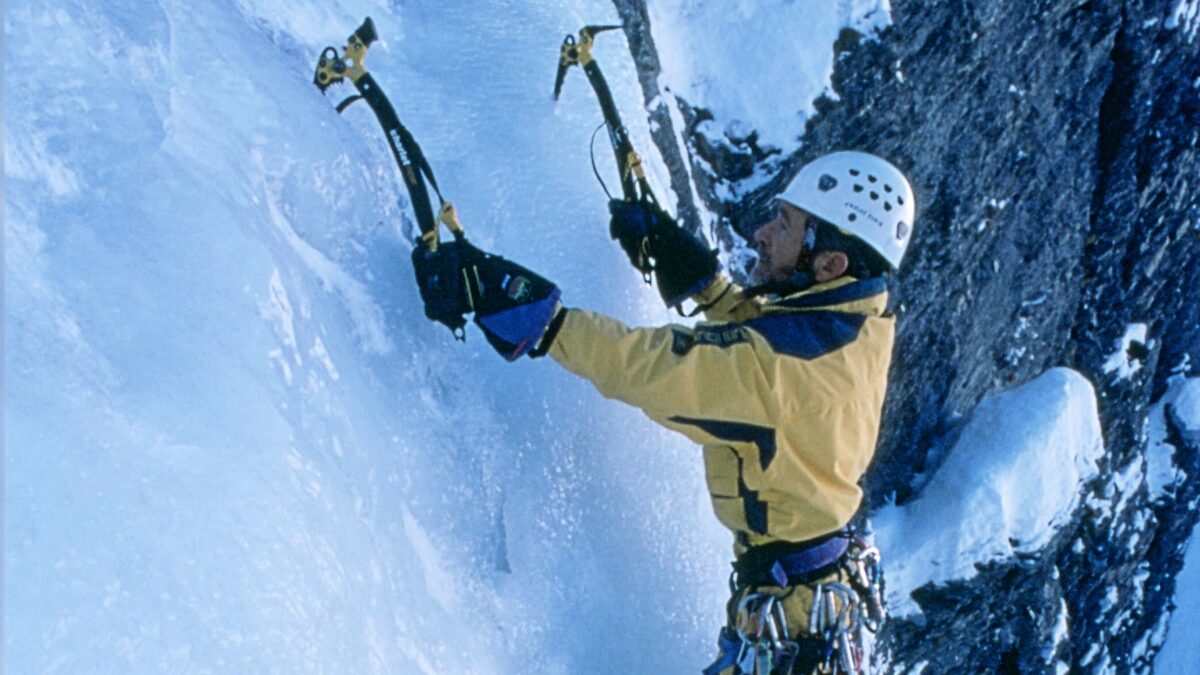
x,y
414,168
634,186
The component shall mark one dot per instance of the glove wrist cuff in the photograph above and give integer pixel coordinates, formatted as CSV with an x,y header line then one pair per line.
x,y
694,291
547,341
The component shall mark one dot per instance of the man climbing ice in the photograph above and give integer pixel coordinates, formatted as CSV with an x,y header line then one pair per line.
x,y
783,386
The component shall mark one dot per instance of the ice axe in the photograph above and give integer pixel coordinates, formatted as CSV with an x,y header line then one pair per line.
x,y
634,186
414,168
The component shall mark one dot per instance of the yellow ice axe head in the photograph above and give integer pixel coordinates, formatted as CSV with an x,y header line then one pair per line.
x,y
576,52
332,69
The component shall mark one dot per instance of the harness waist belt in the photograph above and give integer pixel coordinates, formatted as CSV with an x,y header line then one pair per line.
x,y
785,563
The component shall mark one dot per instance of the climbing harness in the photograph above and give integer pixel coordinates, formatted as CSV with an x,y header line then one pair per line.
x,y
414,168
845,578
784,563
634,186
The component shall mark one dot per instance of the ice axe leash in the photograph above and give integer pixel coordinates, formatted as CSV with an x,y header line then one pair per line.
x,y
414,168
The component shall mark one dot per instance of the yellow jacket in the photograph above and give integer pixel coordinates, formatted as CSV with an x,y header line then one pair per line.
x,y
786,396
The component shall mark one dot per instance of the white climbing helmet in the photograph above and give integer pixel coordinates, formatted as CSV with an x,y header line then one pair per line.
x,y
861,194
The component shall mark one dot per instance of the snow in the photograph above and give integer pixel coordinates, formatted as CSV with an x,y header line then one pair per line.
x,y
1121,360
1186,17
1184,408
1062,633
1152,638
1180,651
1090,655
996,494
1182,402
1118,493
756,64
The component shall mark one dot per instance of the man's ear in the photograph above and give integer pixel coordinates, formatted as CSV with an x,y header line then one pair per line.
x,y
829,265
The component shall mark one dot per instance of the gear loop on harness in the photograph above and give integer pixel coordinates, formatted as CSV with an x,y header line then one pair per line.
x,y
830,587
864,566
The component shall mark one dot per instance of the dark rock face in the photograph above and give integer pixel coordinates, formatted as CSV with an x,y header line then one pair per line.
x,y
641,45
1053,147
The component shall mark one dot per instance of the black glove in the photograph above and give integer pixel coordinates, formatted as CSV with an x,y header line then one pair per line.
x,y
681,263
441,282
513,306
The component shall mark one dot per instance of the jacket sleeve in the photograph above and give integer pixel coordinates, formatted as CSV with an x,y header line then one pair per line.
x,y
675,374
725,301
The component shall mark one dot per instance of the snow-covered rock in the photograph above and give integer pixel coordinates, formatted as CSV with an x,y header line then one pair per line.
x,y
1014,476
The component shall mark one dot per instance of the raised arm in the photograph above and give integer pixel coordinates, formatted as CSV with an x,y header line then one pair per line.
x,y
675,374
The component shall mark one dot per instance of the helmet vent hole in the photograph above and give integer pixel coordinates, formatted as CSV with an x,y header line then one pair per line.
x,y
887,206
900,199
872,178
874,195
854,172
858,188
887,188
853,217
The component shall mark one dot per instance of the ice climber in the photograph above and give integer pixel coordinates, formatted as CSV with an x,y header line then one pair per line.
x,y
783,385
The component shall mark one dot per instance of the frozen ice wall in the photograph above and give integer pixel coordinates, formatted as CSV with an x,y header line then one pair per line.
x,y
232,441
757,65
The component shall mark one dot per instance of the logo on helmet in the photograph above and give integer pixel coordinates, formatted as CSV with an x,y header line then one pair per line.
x,y
826,183
862,212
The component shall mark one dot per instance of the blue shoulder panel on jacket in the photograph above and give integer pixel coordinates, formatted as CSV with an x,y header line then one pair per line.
x,y
738,432
808,335
856,290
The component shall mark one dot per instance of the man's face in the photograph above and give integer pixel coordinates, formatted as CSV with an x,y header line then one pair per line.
x,y
780,244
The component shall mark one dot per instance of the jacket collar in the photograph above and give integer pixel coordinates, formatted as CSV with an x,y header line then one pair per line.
x,y
847,294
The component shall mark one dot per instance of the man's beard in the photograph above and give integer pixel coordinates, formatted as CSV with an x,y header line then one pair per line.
x,y
799,279
760,273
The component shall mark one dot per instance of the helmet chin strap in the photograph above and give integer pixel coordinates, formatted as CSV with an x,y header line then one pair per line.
x,y
810,238
800,280
802,277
